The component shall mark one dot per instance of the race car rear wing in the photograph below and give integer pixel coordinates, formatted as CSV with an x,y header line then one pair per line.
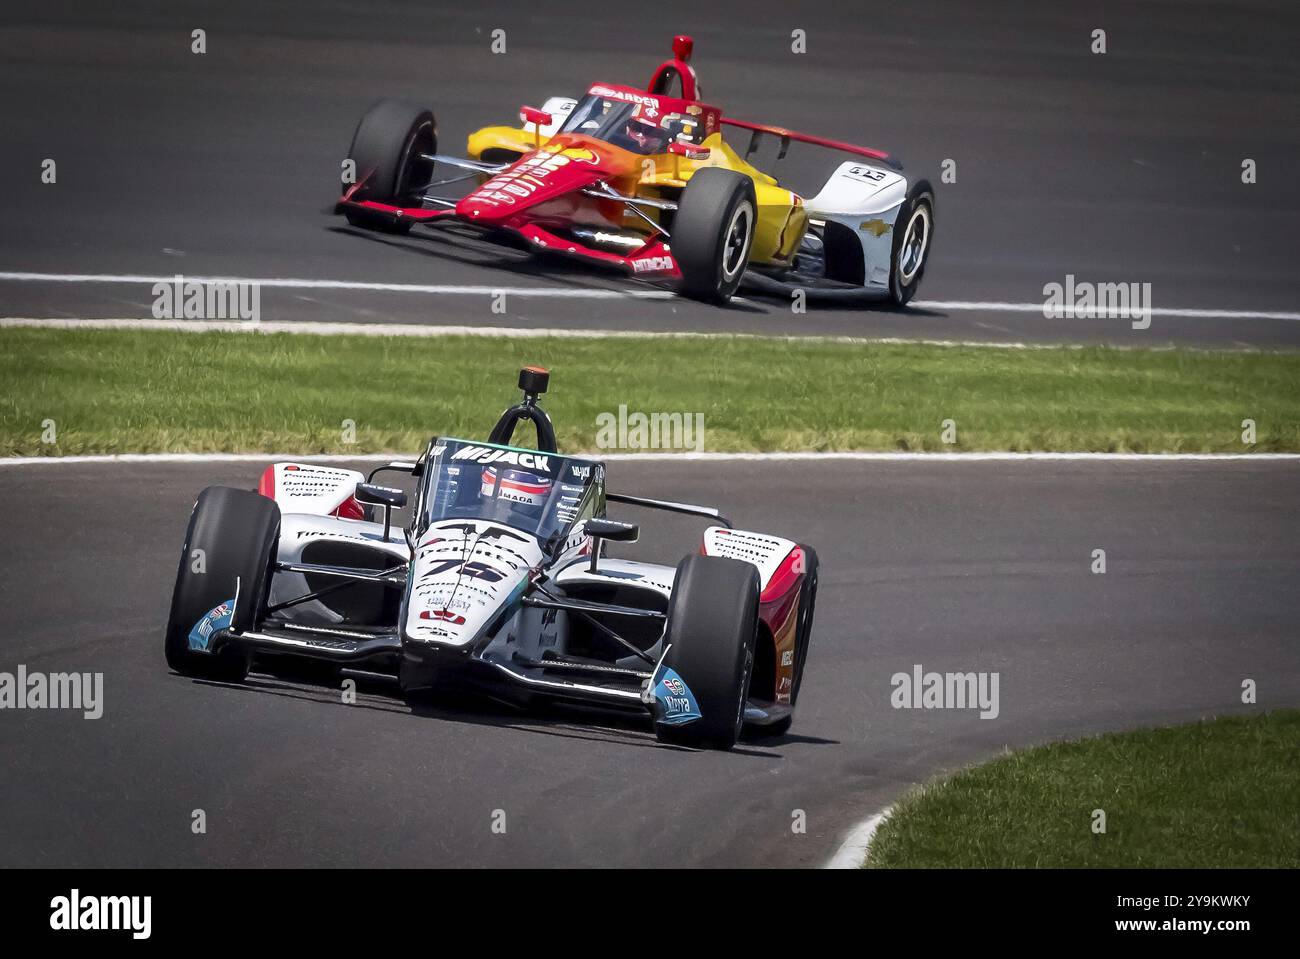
x,y
758,129
706,511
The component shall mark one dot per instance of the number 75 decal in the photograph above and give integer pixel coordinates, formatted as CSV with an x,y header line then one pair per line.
x,y
474,570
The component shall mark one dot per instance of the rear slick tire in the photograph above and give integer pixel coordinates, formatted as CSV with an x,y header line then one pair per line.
x,y
913,241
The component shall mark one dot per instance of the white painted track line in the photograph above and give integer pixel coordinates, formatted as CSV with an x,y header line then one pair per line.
x,y
969,457
848,455
312,328
1177,312
452,289
418,330
289,283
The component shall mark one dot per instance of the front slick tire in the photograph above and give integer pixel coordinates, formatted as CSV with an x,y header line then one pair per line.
x,y
237,532
713,232
386,149
712,627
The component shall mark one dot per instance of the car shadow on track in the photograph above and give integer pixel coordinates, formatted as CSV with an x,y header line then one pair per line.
x,y
562,720
511,259
762,289
471,250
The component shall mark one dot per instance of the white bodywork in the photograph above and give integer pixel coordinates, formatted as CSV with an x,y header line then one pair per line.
x,y
308,494
299,530
650,576
866,200
464,572
463,575
767,553
311,488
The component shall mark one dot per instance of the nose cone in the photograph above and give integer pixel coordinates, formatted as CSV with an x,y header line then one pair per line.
x,y
464,573
557,169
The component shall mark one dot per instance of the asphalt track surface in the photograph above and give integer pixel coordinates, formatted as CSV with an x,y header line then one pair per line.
x,y
956,566
1117,167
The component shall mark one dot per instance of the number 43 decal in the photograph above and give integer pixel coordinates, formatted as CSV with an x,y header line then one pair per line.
x,y
866,173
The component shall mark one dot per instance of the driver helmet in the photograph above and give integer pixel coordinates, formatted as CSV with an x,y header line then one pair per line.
x,y
645,132
520,487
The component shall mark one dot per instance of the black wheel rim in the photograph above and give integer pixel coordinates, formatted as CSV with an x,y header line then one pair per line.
x,y
735,245
916,243
414,176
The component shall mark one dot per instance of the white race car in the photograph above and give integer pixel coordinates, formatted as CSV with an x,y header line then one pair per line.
x,y
497,581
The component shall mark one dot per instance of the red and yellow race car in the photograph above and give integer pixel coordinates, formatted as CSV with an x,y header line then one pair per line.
x,y
644,180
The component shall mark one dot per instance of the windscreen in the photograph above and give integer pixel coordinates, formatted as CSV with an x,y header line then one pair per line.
x,y
537,493
636,127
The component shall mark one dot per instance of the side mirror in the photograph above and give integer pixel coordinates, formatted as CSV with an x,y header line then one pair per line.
x,y
374,495
613,530
410,468
535,116
691,151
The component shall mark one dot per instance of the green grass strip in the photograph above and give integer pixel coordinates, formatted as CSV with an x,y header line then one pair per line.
x,y
1223,793
129,391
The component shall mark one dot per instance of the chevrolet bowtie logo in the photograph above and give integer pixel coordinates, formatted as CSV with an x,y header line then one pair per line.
x,y
875,227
